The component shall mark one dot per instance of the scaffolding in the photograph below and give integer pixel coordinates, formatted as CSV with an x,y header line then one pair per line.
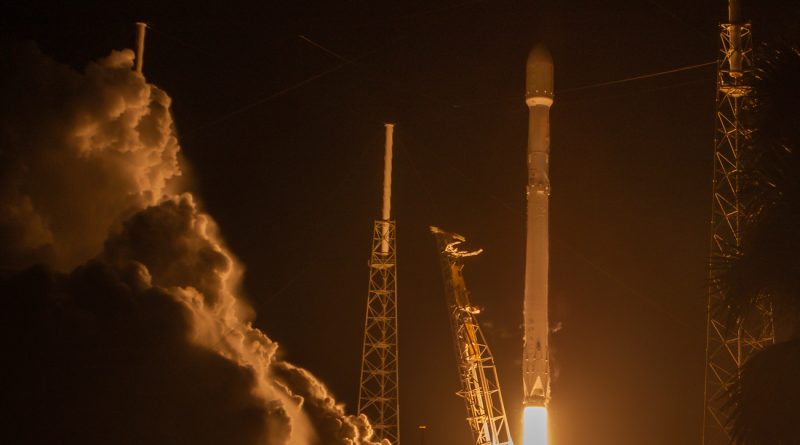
x,y
480,386
730,342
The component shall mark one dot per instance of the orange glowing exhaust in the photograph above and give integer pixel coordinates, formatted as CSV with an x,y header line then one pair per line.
x,y
534,425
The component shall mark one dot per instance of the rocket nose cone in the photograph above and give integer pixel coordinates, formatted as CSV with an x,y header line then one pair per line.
x,y
539,73
539,55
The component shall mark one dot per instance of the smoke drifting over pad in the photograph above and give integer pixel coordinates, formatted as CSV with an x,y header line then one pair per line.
x,y
106,358
129,331
80,153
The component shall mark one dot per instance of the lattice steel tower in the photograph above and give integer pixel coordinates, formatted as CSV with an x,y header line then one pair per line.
x,y
730,342
480,386
378,395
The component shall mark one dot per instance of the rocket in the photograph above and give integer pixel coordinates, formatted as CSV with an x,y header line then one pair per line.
x,y
539,98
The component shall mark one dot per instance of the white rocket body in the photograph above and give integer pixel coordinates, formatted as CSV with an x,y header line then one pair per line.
x,y
539,98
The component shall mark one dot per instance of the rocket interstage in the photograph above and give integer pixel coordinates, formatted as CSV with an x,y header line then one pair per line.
x,y
539,98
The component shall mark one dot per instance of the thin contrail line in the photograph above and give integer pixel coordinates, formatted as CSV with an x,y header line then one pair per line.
x,y
643,76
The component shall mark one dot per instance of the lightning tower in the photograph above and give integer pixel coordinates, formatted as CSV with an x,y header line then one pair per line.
x,y
480,386
378,395
729,345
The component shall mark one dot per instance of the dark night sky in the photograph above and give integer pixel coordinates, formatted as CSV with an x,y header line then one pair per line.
x,y
294,182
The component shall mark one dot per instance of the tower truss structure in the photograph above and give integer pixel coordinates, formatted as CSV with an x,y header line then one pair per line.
x,y
480,386
378,394
730,342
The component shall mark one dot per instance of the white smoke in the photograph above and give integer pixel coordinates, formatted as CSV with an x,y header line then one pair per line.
x,y
89,174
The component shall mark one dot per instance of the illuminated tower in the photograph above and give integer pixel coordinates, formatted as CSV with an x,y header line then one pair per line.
x,y
729,345
480,386
378,395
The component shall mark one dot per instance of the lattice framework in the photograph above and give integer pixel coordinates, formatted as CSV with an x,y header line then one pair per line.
x,y
480,385
378,396
730,342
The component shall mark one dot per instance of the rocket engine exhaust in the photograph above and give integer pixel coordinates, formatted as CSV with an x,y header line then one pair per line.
x,y
539,98
534,420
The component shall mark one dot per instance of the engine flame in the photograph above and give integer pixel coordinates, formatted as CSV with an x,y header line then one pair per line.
x,y
534,425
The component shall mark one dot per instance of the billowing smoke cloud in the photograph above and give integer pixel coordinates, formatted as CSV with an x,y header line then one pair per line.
x,y
80,153
127,328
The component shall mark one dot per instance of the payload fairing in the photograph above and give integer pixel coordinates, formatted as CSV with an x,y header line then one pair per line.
x,y
539,98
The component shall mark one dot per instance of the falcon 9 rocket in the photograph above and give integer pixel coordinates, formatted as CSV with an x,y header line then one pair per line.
x,y
539,98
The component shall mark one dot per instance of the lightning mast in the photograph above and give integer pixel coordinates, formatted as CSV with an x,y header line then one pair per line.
x,y
141,27
378,395
480,386
729,345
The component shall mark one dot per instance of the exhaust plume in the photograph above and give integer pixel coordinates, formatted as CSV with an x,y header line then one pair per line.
x,y
125,325
81,152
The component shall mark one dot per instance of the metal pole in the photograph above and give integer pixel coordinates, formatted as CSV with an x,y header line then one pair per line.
x,y
140,30
387,187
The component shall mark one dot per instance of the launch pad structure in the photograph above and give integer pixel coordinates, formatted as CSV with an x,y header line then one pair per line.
x,y
378,394
480,385
730,345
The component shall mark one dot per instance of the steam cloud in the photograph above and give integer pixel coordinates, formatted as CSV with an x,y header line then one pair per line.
x,y
123,325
